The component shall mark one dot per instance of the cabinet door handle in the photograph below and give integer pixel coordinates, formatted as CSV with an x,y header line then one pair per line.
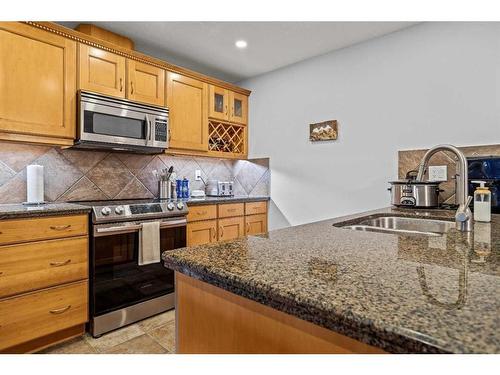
x,y
226,109
232,111
169,135
60,311
60,227
131,87
121,85
215,233
248,227
221,228
59,264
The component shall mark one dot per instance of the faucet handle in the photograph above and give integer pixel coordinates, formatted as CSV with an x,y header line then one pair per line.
x,y
469,200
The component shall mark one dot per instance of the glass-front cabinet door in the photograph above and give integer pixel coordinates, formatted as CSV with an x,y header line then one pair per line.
x,y
238,111
218,103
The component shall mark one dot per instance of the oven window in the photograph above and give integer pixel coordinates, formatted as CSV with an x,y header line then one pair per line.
x,y
118,281
101,123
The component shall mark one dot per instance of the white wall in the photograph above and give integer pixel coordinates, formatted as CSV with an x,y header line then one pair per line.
x,y
428,84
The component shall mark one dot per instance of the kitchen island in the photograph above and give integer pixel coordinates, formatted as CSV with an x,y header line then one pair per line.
x,y
331,289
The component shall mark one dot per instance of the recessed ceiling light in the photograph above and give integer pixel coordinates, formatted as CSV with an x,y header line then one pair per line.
x,y
241,44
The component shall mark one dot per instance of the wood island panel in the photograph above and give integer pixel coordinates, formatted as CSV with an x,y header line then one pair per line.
x,y
212,320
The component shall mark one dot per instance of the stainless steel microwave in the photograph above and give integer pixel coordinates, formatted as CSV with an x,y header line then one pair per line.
x,y
119,124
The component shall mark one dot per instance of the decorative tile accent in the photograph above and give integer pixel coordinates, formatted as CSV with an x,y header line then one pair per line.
x,y
110,175
410,160
76,175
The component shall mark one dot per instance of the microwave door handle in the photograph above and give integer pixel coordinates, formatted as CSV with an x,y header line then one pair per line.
x,y
148,130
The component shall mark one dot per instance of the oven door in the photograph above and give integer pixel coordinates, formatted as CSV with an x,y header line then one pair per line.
x,y
100,123
117,279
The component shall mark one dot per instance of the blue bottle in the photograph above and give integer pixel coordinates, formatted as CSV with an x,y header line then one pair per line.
x,y
185,188
178,188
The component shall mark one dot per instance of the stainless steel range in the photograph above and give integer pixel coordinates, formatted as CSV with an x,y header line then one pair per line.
x,y
122,291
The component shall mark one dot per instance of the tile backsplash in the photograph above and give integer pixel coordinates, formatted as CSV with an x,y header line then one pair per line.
x,y
410,159
73,175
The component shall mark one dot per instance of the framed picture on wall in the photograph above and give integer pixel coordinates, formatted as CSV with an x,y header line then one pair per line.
x,y
323,131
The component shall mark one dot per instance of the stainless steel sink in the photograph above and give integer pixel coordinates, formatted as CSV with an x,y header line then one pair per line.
x,y
403,225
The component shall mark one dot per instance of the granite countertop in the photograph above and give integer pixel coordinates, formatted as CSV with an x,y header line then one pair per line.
x,y
19,210
233,199
402,293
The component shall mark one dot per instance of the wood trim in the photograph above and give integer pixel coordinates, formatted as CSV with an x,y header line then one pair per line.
x,y
212,320
35,139
110,47
106,35
46,341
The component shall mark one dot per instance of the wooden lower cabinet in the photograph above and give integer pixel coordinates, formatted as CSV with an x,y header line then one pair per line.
x,y
211,320
231,228
256,224
201,232
226,221
34,315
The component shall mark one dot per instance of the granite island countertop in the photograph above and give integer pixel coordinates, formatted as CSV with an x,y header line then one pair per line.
x,y
21,211
404,294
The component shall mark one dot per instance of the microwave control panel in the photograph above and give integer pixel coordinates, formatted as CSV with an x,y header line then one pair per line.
x,y
161,130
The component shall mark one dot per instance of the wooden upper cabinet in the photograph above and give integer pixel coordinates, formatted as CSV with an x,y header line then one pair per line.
x,y
37,84
145,83
218,103
101,71
187,100
238,111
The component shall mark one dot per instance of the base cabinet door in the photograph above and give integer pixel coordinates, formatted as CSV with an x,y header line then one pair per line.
x,y
37,83
256,224
101,71
231,228
201,232
145,83
187,100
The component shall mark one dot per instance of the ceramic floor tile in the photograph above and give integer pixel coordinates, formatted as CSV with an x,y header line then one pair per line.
x,y
165,336
107,341
157,321
75,346
139,345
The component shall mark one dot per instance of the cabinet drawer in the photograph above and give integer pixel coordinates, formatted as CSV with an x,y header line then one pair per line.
x,y
34,315
201,232
206,212
231,209
38,265
253,208
27,230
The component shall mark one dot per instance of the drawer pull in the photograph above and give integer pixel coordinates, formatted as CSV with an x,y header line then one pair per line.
x,y
60,227
231,209
202,213
59,264
60,311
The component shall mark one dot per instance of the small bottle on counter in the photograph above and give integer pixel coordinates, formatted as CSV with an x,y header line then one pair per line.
x,y
178,188
185,188
482,202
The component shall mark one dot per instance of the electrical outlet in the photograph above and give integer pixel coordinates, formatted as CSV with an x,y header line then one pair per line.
x,y
438,173
197,175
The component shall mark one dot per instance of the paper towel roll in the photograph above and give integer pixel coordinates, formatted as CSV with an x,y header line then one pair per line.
x,y
34,182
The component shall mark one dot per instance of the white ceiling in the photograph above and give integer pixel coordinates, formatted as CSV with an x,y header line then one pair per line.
x,y
208,47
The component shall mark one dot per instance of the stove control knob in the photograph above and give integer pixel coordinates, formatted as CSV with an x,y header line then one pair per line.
x,y
170,206
180,205
106,211
119,210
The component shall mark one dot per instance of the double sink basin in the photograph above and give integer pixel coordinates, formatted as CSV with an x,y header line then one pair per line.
x,y
401,225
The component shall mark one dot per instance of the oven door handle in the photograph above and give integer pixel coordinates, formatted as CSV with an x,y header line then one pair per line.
x,y
130,228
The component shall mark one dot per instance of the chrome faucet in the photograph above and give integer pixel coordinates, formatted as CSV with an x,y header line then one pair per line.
x,y
463,216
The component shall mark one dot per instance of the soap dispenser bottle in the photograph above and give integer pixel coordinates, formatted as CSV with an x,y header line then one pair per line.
x,y
482,202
